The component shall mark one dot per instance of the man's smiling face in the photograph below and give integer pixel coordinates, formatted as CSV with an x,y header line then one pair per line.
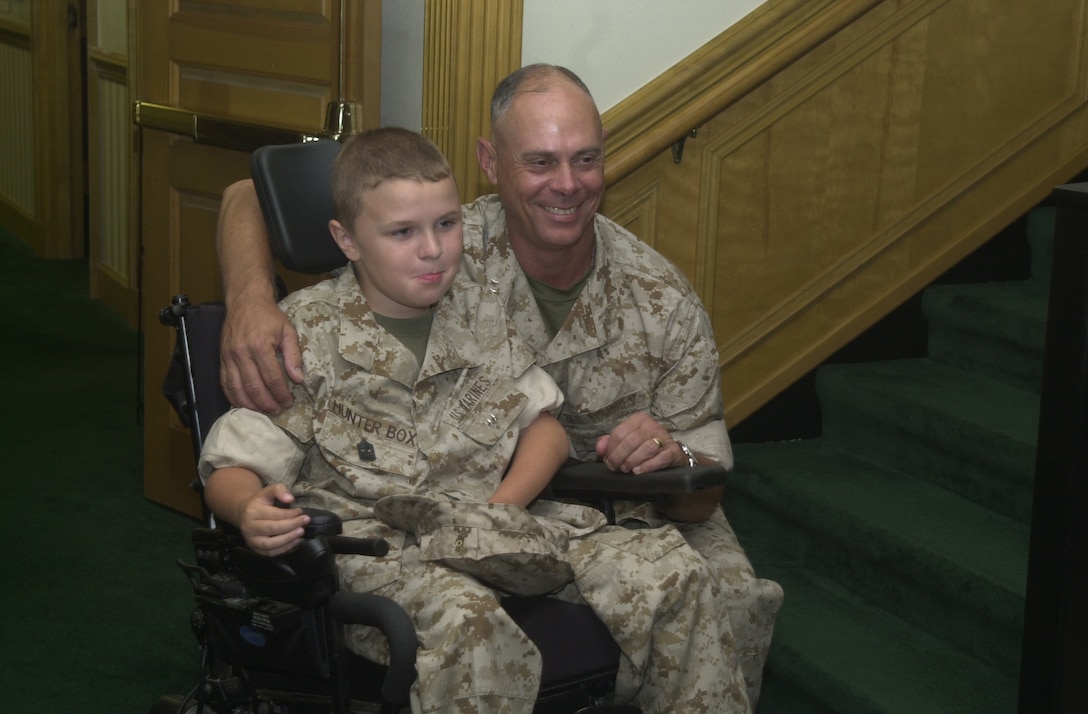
x,y
548,166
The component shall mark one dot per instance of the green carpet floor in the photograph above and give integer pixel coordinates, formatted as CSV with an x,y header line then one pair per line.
x,y
900,534
95,612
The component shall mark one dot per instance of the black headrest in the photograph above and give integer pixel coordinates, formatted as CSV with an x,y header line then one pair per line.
x,y
293,185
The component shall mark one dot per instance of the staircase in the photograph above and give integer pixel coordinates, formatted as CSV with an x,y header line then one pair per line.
x,y
900,533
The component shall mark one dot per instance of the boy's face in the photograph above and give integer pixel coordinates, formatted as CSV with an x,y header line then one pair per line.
x,y
405,245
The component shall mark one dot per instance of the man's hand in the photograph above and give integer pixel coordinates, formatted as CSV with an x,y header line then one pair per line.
x,y
270,529
255,329
254,332
639,444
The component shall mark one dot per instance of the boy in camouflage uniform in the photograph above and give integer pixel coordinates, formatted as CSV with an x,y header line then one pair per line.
x,y
417,395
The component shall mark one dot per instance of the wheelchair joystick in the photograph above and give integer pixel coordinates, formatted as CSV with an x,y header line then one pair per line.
x,y
328,524
324,523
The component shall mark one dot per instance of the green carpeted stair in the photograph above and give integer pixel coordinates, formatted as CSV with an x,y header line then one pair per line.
x,y
900,534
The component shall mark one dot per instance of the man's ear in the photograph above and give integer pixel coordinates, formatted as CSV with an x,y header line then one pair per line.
x,y
344,241
485,154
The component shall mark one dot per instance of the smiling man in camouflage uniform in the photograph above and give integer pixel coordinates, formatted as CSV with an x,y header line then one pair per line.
x,y
628,341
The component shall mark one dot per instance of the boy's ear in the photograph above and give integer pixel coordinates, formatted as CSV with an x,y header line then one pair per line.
x,y
344,241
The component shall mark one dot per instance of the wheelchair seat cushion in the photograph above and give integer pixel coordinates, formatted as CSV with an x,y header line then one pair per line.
x,y
502,545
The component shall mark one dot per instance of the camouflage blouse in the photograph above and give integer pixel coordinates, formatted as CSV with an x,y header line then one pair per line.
x,y
637,339
369,421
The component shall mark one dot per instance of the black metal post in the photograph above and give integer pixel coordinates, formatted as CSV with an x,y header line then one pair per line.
x,y
1055,645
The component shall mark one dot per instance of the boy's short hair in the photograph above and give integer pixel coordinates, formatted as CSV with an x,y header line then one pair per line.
x,y
378,155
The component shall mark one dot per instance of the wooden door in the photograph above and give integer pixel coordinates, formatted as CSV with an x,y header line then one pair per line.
x,y
214,80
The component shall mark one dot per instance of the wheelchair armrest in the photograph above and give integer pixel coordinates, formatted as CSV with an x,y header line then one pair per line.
x,y
349,545
397,628
594,480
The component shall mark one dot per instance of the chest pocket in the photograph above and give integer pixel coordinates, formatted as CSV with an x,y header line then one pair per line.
x,y
492,415
380,456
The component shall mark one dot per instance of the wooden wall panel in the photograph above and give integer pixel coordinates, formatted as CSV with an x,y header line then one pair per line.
x,y
113,253
41,179
17,116
830,192
469,46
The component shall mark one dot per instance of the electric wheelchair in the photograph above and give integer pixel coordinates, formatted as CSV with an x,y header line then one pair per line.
x,y
271,629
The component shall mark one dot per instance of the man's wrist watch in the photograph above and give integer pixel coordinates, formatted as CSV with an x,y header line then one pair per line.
x,y
692,461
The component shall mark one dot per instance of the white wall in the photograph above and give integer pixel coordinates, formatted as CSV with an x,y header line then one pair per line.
x,y
615,46
402,63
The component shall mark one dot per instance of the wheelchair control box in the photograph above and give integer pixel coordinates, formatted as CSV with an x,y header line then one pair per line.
x,y
245,619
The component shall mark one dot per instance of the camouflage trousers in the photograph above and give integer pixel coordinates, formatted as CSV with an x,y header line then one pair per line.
x,y
653,592
751,604
658,599
472,657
